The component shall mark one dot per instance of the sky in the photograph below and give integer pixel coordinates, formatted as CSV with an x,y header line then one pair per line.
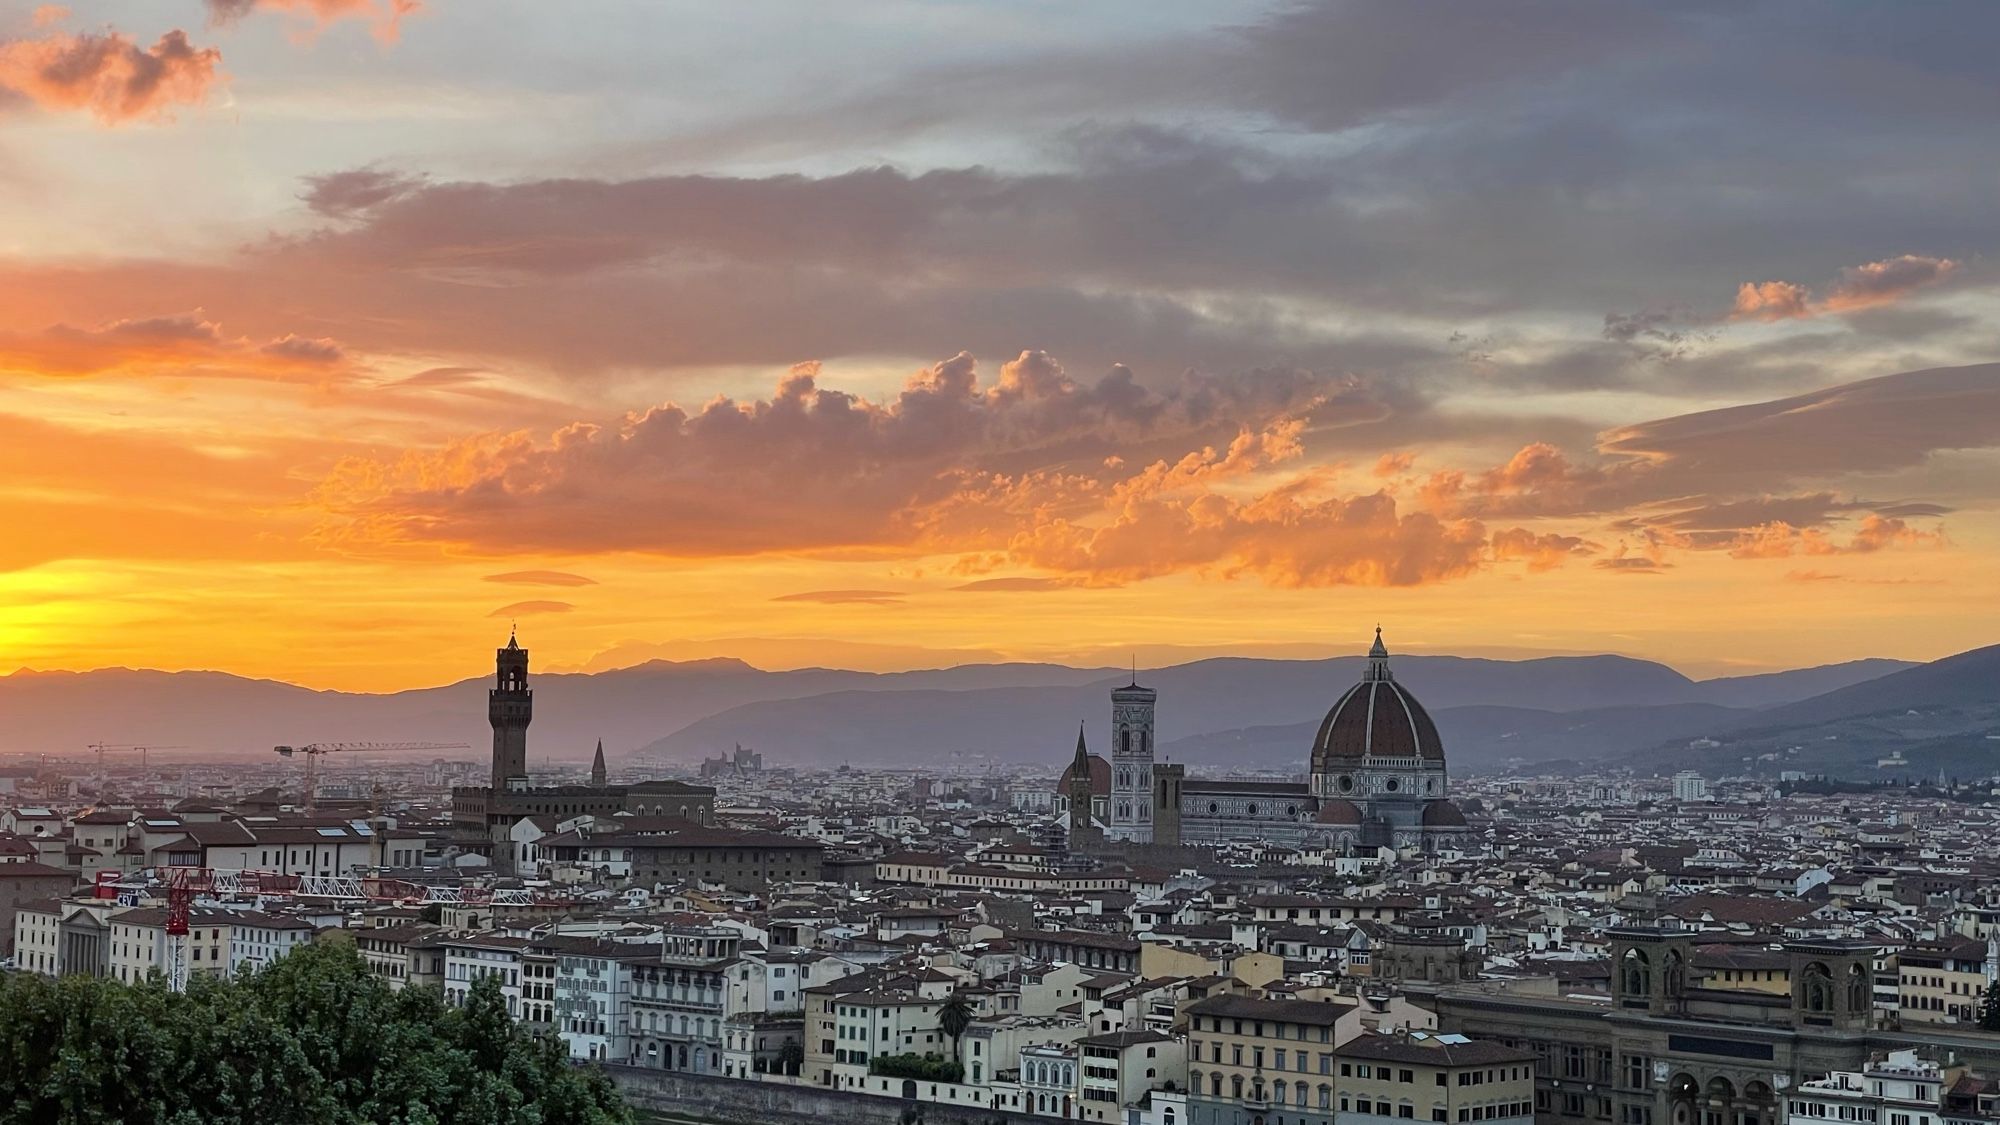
x,y
337,337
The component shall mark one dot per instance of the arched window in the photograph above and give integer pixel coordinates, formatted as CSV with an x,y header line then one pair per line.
x,y
1278,1091
1816,988
1637,973
1858,990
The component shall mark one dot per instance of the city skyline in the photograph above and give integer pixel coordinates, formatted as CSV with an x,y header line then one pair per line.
x,y
337,335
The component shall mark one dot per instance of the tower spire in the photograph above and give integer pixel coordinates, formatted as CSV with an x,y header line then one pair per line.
x,y
597,767
1378,658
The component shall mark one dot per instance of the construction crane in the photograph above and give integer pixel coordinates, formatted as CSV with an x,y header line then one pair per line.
x,y
102,748
312,751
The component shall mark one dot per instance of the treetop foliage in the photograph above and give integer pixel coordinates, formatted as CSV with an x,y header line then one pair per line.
x,y
315,1038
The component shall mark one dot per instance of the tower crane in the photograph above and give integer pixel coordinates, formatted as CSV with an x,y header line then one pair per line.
x,y
313,750
102,748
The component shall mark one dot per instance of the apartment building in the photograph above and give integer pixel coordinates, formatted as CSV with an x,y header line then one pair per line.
x,y
1249,1056
1390,1077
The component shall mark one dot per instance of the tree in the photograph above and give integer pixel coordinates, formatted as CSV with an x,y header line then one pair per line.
x,y
1989,1008
314,1038
792,1057
953,1018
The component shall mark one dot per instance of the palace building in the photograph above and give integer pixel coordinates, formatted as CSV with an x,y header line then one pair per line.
x,y
483,815
1376,777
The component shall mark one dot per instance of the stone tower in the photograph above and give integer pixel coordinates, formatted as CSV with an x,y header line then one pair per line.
x,y
597,771
510,707
1167,780
1131,812
1083,830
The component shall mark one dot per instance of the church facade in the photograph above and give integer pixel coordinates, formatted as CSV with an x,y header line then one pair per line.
x,y
1376,777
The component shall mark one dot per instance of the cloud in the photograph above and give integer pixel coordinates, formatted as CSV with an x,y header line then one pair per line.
x,y
1886,281
531,609
812,467
1015,585
1860,287
341,195
108,75
384,17
1541,552
1875,533
1021,471
175,342
845,597
540,578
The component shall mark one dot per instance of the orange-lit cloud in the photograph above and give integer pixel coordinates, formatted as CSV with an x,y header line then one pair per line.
x,y
844,597
1859,287
173,342
108,75
1874,533
384,17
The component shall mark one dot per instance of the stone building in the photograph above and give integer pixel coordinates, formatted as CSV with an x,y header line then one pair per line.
x,y
1376,777
1666,1049
483,815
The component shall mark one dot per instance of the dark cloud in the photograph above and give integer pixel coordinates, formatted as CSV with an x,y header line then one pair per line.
x,y
1015,585
541,578
845,597
340,195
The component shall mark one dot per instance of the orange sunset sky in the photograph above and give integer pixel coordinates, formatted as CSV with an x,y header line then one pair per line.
x,y
336,335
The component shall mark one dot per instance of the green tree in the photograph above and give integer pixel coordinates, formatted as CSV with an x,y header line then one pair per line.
x,y
314,1038
954,1016
792,1057
1989,1008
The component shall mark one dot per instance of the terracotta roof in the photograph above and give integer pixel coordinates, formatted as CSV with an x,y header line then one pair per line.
x,y
1100,777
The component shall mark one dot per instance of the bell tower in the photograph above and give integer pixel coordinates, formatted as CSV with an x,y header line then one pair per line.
x,y
1131,812
510,707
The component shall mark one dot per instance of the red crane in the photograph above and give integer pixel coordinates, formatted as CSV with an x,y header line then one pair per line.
x,y
312,751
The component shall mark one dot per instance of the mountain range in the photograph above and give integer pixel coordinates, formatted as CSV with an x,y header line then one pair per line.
x,y
1234,712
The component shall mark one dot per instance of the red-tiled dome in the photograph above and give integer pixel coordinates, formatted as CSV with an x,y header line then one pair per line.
x,y
1377,717
1442,814
1100,778
1337,810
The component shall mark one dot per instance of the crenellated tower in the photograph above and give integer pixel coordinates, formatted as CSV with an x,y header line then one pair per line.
x,y
510,707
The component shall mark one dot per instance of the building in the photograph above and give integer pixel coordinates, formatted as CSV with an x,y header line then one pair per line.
x,y
1945,981
484,816
688,852
1084,797
1665,1048
24,882
1900,1088
1131,798
1690,786
680,1000
1395,1076
1118,1070
1249,1056
1376,778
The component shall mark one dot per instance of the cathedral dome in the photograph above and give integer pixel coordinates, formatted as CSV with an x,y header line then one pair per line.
x,y
1442,814
1377,718
1100,778
1337,810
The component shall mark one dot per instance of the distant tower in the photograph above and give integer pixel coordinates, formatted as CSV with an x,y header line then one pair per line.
x,y
510,707
1131,816
597,767
1083,831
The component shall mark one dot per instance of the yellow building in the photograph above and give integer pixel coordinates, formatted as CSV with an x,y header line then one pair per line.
x,y
1388,1077
1248,1057
1941,982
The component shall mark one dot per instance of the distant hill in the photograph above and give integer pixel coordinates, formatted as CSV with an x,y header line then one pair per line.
x,y
1490,710
1244,711
1944,715
221,714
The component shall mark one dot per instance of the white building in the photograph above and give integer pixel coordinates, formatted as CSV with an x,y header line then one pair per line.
x,y
1690,786
1901,1089
468,960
